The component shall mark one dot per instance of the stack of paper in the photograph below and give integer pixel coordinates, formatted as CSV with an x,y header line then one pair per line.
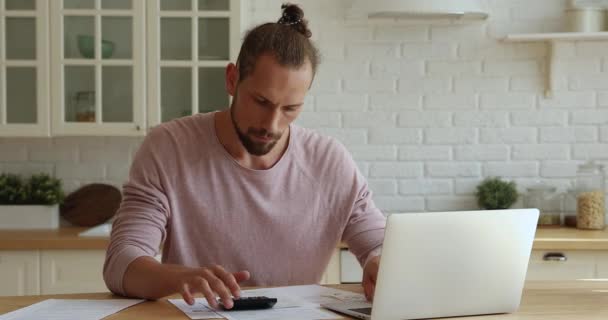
x,y
55,309
294,303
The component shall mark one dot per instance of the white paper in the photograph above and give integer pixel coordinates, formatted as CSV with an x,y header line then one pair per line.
x,y
69,309
294,303
199,310
296,313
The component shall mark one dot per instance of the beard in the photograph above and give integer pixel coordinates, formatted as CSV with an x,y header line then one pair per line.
x,y
255,148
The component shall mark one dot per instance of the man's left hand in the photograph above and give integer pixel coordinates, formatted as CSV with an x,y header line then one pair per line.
x,y
370,274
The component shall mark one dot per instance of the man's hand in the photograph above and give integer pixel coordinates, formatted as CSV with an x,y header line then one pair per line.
x,y
212,282
370,274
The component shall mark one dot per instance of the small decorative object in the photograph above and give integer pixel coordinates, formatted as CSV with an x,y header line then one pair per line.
x,y
548,202
590,199
86,46
31,203
494,193
91,205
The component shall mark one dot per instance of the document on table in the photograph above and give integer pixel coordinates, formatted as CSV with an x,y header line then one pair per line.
x,y
294,303
68,309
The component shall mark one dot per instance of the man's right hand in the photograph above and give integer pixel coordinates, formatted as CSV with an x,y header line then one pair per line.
x,y
212,283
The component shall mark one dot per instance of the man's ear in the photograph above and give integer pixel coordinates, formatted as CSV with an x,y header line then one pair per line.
x,y
232,78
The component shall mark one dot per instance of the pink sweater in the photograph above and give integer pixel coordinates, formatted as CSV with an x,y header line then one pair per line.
x,y
186,192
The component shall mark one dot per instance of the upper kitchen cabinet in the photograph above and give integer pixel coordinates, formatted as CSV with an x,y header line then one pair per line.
x,y
24,92
191,43
97,59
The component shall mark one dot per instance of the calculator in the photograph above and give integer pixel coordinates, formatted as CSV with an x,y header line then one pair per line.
x,y
251,303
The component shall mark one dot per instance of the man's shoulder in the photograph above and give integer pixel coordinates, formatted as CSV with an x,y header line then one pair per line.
x,y
314,143
182,129
319,151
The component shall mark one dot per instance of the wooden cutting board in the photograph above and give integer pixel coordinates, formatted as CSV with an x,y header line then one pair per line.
x,y
91,204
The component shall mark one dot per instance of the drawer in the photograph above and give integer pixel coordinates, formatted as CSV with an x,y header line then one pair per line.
x,y
561,265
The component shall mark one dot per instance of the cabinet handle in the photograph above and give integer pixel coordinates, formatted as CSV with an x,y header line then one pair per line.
x,y
555,256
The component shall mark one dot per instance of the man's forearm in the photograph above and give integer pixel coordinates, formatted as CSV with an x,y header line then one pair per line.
x,y
147,278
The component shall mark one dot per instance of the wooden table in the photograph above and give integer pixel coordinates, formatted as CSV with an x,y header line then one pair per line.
x,y
573,300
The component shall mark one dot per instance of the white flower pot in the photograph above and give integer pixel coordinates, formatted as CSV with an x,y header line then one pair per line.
x,y
29,217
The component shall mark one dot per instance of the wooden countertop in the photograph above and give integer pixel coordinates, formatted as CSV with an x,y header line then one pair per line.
x,y
62,238
581,300
67,238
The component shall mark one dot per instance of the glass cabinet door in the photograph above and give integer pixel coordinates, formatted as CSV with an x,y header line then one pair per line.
x,y
190,44
98,61
24,106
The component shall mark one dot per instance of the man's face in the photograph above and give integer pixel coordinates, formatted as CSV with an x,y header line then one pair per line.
x,y
266,102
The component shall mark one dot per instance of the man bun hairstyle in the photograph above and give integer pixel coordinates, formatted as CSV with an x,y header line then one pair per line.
x,y
288,40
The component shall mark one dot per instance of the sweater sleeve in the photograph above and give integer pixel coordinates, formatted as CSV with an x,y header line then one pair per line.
x,y
364,231
139,225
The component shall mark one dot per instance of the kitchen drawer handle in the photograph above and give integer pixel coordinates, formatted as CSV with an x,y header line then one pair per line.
x,y
555,256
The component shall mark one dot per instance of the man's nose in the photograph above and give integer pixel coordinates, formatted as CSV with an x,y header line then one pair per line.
x,y
271,121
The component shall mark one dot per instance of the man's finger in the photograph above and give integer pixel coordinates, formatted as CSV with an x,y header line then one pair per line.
x,y
208,293
241,276
229,280
217,285
186,294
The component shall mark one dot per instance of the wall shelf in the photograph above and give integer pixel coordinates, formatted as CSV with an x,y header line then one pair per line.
x,y
551,39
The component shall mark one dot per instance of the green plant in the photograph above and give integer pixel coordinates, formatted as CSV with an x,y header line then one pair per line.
x,y
12,189
44,189
39,189
494,193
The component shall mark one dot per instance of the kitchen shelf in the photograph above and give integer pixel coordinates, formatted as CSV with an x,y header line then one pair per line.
x,y
558,36
551,39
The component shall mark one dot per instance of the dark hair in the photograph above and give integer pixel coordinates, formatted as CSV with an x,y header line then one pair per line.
x,y
288,40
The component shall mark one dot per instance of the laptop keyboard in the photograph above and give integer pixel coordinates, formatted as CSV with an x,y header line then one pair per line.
x,y
367,311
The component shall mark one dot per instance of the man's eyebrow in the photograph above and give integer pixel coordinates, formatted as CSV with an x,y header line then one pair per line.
x,y
259,95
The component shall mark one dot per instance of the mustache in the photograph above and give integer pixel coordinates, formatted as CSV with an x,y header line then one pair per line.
x,y
263,133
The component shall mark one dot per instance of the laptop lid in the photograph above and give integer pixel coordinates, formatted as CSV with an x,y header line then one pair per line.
x,y
444,264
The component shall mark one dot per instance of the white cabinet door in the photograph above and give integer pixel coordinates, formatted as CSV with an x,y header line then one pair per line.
x,y
98,67
24,68
350,270
332,273
190,43
19,273
602,264
72,271
562,265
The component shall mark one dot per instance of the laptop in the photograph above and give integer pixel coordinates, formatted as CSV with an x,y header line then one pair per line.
x,y
450,264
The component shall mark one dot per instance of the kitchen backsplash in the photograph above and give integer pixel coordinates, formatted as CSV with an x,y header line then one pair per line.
x,y
428,109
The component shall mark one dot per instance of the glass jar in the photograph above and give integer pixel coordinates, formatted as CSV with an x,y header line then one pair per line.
x,y
548,202
85,106
569,208
590,198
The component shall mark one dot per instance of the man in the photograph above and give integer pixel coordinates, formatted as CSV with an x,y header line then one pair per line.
x,y
243,196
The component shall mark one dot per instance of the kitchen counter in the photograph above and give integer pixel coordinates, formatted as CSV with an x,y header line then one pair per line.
x,y
541,300
67,238
62,238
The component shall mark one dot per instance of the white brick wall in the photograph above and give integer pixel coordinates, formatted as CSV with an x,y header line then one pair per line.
x,y
428,109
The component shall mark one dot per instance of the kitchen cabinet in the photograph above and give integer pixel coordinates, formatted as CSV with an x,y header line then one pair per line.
x,y
33,272
191,43
70,271
24,68
19,273
97,61
112,67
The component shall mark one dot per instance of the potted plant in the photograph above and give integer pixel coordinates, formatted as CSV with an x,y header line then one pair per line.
x,y
31,203
494,193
